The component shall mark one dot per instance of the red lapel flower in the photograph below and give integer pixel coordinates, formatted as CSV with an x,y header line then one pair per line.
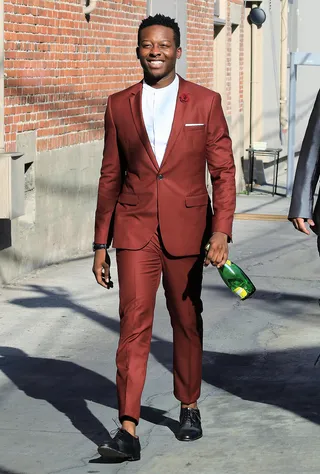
x,y
184,97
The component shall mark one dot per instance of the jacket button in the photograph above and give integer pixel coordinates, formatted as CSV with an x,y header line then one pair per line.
x,y
160,176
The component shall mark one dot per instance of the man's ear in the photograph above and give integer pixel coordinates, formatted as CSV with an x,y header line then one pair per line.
x,y
137,52
179,52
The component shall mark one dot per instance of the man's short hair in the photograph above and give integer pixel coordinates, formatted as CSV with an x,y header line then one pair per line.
x,y
161,20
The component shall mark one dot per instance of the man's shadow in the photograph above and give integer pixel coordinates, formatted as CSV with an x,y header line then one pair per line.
x,y
288,379
67,386
4,470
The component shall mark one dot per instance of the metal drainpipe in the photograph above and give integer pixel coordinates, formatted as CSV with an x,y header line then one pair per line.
x,y
251,86
1,76
283,67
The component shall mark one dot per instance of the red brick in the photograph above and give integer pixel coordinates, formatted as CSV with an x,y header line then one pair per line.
x,y
200,41
62,69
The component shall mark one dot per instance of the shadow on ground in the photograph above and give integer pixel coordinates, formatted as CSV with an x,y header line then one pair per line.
x,y
67,387
4,470
289,379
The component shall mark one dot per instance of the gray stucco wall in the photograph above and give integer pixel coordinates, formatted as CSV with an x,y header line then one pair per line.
x,y
59,215
271,74
304,35
175,9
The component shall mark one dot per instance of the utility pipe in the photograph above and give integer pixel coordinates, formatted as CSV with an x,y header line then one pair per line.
x,y
1,76
283,66
251,86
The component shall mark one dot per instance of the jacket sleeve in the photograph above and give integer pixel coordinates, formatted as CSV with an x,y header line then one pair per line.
x,y
308,168
110,180
221,168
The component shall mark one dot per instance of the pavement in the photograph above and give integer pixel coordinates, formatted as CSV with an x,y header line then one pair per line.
x,y
261,381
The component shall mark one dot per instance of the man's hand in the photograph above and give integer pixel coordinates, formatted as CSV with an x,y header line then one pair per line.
x,y
299,224
218,252
101,268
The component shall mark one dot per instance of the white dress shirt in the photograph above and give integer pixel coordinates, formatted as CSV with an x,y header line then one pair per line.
x,y
158,107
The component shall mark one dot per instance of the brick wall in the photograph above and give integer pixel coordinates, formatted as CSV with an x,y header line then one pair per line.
x,y
229,45
200,39
228,96
61,69
241,59
200,42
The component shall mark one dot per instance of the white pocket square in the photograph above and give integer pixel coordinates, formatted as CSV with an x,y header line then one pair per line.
x,y
194,124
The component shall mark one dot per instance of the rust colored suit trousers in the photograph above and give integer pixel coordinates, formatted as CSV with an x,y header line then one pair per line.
x,y
139,273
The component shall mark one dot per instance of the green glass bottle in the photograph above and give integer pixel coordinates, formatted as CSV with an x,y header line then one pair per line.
x,y
235,279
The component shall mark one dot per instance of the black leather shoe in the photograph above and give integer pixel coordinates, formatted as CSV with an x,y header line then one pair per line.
x,y
190,425
122,446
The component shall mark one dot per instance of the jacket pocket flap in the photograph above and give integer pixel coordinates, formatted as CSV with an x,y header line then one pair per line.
x,y
131,199
199,200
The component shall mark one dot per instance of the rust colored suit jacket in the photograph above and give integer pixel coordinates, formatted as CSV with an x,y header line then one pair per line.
x,y
139,195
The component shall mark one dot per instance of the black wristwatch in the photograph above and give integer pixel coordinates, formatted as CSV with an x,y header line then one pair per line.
x,y
98,246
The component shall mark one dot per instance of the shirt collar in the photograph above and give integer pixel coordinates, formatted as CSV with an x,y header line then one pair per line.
x,y
171,87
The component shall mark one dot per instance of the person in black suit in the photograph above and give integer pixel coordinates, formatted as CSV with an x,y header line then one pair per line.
x,y
301,212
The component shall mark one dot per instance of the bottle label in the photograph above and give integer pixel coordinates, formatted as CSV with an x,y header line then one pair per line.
x,y
240,292
228,262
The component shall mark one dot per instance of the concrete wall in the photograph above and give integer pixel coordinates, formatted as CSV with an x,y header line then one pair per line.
x,y
61,191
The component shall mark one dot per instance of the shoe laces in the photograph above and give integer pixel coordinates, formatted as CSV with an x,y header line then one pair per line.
x,y
189,416
116,431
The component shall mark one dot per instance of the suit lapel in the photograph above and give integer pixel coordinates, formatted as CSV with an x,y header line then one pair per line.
x,y
178,122
177,125
136,109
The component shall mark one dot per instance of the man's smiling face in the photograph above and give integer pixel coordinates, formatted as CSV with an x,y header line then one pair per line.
x,y
157,52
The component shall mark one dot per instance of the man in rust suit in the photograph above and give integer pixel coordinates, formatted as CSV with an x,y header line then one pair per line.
x,y
159,136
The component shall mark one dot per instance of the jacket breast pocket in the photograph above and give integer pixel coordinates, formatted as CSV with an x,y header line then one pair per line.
x,y
129,199
195,137
194,128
